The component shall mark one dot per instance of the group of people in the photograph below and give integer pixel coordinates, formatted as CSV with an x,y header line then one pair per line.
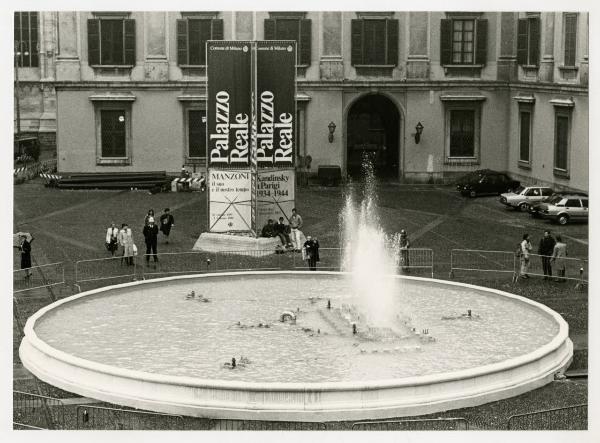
x,y
290,237
552,251
123,237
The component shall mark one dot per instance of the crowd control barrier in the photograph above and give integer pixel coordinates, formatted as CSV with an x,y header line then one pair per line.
x,y
38,277
108,418
562,269
566,418
110,268
35,411
476,260
433,424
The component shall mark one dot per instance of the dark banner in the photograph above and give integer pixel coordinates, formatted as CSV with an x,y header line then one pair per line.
x,y
275,103
228,103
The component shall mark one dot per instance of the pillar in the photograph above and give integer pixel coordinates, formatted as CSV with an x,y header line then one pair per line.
x,y
507,58
68,51
417,64
546,73
156,66
331,64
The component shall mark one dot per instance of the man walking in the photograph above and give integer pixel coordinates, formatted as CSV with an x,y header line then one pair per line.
x,y
166,223
545,249
296,225
311,252
151,238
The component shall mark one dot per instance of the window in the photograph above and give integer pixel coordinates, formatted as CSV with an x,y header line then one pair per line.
x,y
375,42
196,133
528,41
573,203
584,202
113,128
291,28
111,42
546,192
113,133
463,41
561,141
524,135
26,39
192,34
462,133
570,27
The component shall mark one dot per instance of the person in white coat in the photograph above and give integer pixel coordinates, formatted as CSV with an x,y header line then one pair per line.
x,y
112,238
126,242
525,252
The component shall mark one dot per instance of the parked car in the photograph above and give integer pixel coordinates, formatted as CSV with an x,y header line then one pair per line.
x,y
534,209
485,181
563,208
524,196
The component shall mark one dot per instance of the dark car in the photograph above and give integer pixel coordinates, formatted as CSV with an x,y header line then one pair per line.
x,y
485,181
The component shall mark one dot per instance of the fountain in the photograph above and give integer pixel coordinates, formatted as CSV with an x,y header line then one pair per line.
x,y
301,346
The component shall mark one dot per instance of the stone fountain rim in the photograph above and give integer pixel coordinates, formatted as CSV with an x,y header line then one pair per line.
x,y
504,365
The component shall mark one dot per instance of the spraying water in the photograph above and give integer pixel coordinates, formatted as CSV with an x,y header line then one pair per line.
x,y
369,254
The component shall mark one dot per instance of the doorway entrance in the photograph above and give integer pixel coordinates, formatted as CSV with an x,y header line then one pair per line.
x,y
373,131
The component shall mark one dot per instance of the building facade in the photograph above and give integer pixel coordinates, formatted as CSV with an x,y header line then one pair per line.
x,y
126,91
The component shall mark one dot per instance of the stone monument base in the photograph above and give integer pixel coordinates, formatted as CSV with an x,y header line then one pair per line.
x,y
213,242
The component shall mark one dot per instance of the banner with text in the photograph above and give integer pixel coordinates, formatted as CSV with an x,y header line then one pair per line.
x,y
275,103
228,103
229,200
274,195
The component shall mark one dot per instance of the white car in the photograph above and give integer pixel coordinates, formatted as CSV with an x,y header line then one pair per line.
x,y
523,197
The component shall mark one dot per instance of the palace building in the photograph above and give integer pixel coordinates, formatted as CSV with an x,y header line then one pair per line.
x,y
428,95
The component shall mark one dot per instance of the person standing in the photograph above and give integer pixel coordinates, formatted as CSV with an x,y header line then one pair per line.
x,y
311,252
25,249
166,223
546,249
525,251
112,238
151,239
404,254
126,242
558,258
296,225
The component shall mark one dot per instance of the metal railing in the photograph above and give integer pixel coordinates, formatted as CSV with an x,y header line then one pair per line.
x,y
562,269
415,259
107,418
431,424
108,268
38,411
38,277
254,425
565,418
22,426
477,260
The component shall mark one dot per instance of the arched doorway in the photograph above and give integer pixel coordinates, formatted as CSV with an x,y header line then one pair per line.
x,y
374,130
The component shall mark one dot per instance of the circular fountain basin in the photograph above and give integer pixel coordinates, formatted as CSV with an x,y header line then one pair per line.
x,y
148,345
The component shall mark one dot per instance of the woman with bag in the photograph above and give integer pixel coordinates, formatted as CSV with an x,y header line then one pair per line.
x,y
126,241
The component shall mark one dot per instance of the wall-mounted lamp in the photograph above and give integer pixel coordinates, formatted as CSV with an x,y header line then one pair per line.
x,y
419,129
331,127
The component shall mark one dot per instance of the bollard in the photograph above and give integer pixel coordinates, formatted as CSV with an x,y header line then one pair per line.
x,y
207,264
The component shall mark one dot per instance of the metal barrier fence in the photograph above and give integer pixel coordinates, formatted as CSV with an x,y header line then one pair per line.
x,y
567,418
432,424
21,426
107,418
482,261
38,411
38,277
251,425
415,259
330,259
172,263
564,268
105,269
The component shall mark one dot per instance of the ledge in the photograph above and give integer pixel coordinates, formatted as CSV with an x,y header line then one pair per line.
x,y
524,98
561,173
192,97
462,98
113,97
524,165
113,161
563,102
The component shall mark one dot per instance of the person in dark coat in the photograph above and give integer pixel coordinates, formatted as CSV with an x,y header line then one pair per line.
x,y
311,252
546,249
25,248
167,221
268,230
283,232
151,238
404,245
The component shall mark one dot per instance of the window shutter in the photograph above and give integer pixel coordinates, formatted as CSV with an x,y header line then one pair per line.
x,y
392,42
481,54
34,50
446,41
357,42
534,41
522,42
129,41
269,29
216,29
305,35
93,27
182,42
